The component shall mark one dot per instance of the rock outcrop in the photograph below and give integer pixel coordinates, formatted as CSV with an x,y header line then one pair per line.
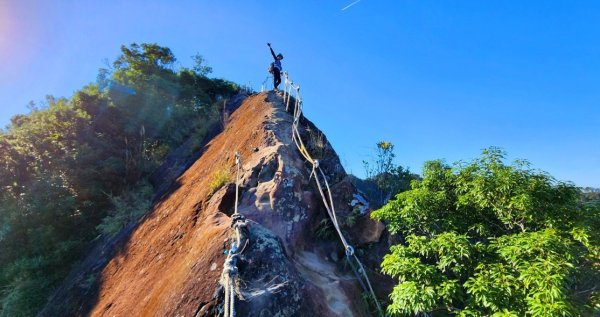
x,y
170,263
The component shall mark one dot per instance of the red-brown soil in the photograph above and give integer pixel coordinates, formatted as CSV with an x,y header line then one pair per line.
x,y
178,248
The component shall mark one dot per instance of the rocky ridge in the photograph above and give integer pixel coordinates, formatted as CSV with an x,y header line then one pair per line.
x,y
170,263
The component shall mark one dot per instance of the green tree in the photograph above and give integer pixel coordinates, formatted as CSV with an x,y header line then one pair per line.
x,y
590,195
76,168
388,178
486,238
200,66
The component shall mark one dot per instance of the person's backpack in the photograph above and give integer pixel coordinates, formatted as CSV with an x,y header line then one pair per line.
x,y
272,68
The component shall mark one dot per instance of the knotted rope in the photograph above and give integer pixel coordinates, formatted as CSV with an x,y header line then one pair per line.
x,y
230,270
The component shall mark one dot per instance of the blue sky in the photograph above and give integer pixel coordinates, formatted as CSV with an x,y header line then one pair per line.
x,y
439,79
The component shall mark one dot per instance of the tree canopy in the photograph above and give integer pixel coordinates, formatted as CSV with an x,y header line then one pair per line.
x,y
487,238
79,167
384,178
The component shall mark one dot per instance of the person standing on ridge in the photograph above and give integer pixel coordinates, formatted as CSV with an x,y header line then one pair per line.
x,y
275,68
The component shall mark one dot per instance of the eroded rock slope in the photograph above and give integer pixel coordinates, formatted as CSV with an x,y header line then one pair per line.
x,y
169,264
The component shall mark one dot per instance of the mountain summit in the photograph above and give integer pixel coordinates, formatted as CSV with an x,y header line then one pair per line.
x,y
292,264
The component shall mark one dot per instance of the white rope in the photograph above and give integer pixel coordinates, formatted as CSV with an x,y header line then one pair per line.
x,y
229,273
285,85
238,162
320,177
230,265
232,298
226,305
287,90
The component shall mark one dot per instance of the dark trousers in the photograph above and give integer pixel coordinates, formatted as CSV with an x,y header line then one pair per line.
x,y
276,78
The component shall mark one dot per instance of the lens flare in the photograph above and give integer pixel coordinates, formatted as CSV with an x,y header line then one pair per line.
x,y
8,36
5,28
16,38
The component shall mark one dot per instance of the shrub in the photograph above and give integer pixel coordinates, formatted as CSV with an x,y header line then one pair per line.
x,y
388,178
353,216
487,238
325,229
317,144
219,178
58,162
127,207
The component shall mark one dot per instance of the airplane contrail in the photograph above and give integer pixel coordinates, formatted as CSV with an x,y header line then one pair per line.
x,y
351,4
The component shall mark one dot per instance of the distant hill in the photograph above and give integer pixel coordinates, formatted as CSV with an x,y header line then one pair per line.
x,y
590,194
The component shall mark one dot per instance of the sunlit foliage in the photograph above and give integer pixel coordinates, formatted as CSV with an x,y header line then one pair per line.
x,y
74,165
486,238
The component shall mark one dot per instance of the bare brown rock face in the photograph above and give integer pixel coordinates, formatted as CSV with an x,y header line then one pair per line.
x,y
170,263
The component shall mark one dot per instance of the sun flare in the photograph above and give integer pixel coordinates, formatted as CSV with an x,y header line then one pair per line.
x,y
5,28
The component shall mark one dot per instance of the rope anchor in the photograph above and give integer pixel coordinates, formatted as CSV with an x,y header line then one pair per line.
x,y
349,250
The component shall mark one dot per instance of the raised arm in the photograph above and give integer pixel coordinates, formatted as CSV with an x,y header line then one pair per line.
x,y
272,52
